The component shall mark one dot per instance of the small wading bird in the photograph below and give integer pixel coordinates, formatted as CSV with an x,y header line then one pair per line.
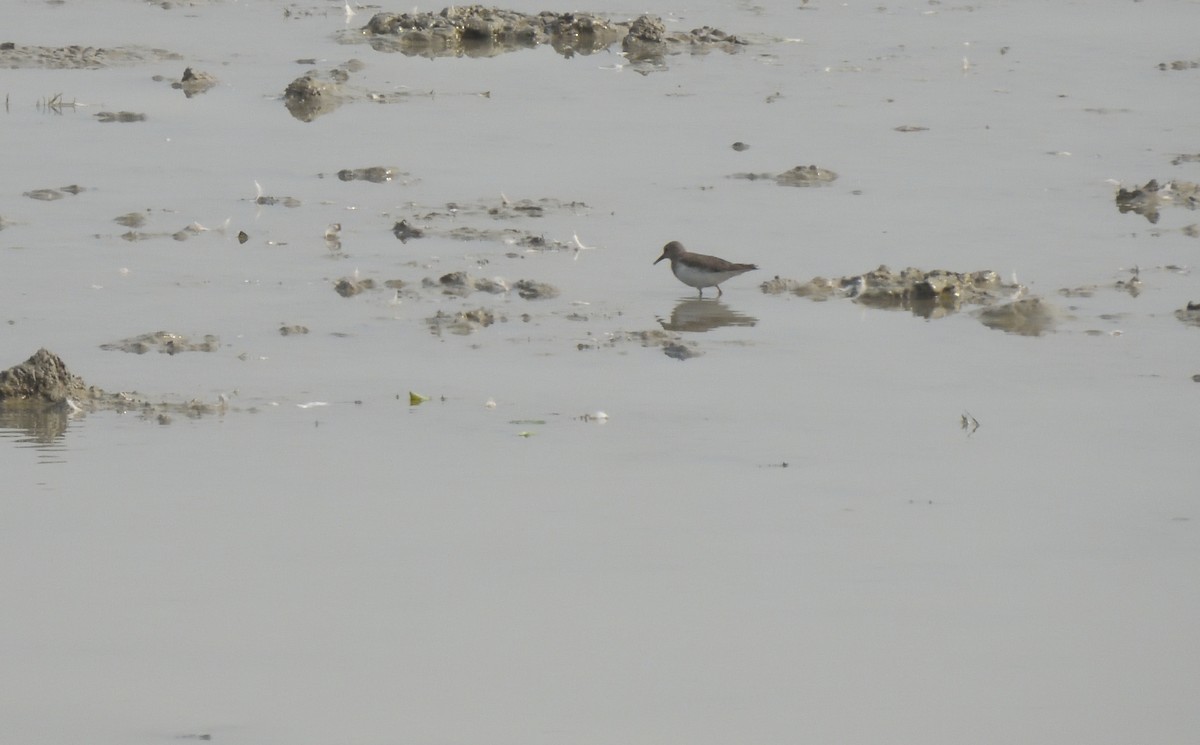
x,y
698,270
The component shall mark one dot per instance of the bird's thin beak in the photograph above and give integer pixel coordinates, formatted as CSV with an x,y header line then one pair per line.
x,y
660,258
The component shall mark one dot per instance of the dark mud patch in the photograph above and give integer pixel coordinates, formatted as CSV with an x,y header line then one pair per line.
x,y
405,232
681,351
670,343
448,222
1190,314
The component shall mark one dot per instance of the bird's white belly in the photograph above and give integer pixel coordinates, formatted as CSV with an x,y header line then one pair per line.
x,y
690,275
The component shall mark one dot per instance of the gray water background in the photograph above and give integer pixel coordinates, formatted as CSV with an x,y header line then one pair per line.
x,y
370,572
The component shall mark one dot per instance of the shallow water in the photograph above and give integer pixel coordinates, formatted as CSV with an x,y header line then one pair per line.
x,y
789,537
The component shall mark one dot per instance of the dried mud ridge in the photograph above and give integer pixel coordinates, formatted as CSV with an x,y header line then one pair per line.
x,y
14,56
933,294
163,342
52,195
478,31
938,293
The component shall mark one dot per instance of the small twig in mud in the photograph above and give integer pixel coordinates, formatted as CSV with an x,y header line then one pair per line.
x,y
55,103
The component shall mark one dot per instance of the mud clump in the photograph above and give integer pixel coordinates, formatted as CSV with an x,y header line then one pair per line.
x,y
43,377
530,290
405,232
461,284
1189,314
193,83
349,287
681,352
809,175
317,93
455,283
307,97
1147,199
131,220
461,323
373,174
269,201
